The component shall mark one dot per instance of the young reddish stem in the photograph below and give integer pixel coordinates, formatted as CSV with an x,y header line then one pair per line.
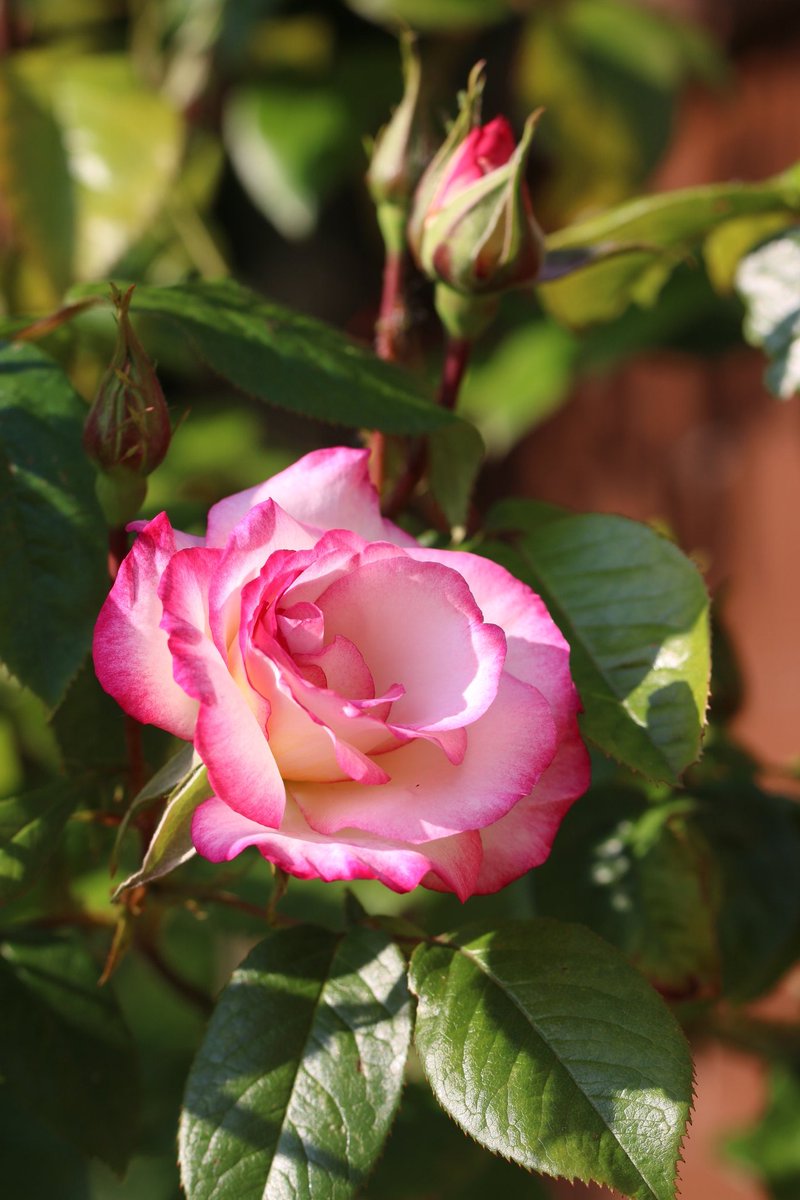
x,y
456,358
118,544
388,335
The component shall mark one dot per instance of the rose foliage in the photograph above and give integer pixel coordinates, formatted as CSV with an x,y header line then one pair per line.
x,y
365,708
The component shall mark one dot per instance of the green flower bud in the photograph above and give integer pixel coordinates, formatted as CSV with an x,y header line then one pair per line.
x,y
128,424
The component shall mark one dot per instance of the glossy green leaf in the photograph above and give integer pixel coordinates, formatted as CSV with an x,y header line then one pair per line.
x,y
635,613
30,826
53,537
768,280
297,1081
639,875
65,1053
640,243
545,1046
426,1153
727,245
171,844
456,455
289,360
755,840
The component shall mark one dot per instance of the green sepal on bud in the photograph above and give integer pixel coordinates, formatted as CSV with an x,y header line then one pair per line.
x,y
127,431
469,115
400,152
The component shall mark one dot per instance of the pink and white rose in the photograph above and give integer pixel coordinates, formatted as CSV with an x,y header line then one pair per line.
x,y
365,707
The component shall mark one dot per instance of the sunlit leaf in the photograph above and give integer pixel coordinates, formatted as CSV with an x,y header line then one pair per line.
x,y
299,1075
545,1046
635,613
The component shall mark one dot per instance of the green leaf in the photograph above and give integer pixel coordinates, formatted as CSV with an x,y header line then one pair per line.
x,y
293,139
641,242
446,15
297,1081
456,454
64,1050
34,177
635,613
639,875
171,843
289,360
427,1154
30,826
755,840
768,280
544,1045
53,537
37,1164
123,146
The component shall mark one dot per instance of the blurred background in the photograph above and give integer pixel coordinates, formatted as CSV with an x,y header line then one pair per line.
x,y
164,139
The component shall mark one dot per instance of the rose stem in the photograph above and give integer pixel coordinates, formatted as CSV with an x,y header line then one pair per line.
x,y
456,358
388,332
117,549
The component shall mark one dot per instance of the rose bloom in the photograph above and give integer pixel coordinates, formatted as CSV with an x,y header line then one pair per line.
x,y
365,708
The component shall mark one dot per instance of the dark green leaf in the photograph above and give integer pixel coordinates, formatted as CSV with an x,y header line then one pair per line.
x,y
768,280
755,839
635,613
51,531
289,360
548,1048
30,826
64,1050
37,1164
637,874
299,1076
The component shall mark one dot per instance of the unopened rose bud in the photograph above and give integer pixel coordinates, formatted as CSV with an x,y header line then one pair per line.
x,y
400,153
128,427
477,233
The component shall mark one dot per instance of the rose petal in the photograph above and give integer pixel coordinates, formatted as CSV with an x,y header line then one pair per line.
x,y
228,737
536,651
508,750
327,489
417,624
131,655
219,834
523,838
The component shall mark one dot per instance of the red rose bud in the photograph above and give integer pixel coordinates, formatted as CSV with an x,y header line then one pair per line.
x,y
478,234
127,429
